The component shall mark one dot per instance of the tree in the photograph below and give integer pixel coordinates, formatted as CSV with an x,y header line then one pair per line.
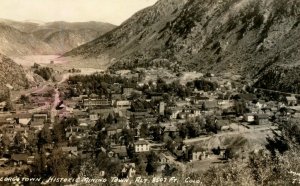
x,y
193,131
133,123
44,72
152,163
18,140
112,167
46,134
8,105
139,161
101,140
100,124
24,99
144,132
155,131
110,119
210,125
183,131
240,107
228,154
59,164
5,141
128,136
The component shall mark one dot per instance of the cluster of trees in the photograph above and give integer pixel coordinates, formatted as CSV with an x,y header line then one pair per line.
x,y
193,130
44,72
174,88
189,130
141,62
99,84
202,84
24,99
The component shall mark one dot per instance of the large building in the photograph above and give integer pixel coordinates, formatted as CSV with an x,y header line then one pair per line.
x,y
141,146
96,102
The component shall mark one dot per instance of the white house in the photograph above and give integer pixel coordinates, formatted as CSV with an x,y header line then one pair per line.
x,y
249,117
141,146
122,104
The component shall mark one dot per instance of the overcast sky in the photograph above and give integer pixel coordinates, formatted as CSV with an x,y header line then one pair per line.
x,y
112,11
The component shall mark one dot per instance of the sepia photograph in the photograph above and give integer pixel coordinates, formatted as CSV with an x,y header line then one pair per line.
x,y
149,92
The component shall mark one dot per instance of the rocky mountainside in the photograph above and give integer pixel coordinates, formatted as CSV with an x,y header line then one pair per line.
x,y
134,34
16,42
11,73
247,37
23,38
65,40
284,78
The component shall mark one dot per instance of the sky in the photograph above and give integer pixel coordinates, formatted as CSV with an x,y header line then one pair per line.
x,y
111,11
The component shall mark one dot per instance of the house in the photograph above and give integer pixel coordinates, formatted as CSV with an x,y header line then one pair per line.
x,y
65,112
37,125
3,161
122,104
30,160
249,117
162,159
40,117
291,100
71,151
209,105
23,119
260,104
196,111
120,152
112,130
175,112
94,117
155,96
116,96
19,159
170,130
198,154
261,119
141,146
226,104
128,91
128,170
2,106
181,115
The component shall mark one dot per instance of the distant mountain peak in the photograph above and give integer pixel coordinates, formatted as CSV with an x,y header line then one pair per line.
x,y
30,37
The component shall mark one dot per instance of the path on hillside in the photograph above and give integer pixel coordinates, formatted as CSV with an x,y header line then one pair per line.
x,y
276,91
264,128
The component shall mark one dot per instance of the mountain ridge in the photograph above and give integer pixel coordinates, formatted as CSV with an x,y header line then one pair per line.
x,y
11,73
246,37
33,38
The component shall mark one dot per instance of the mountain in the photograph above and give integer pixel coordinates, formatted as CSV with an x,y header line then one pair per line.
x,y
15,42
247,37
133,33
25,38
66,40
26,26
11,73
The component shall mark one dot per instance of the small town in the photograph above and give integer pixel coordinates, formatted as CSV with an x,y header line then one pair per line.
x,y
130,123
149,92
